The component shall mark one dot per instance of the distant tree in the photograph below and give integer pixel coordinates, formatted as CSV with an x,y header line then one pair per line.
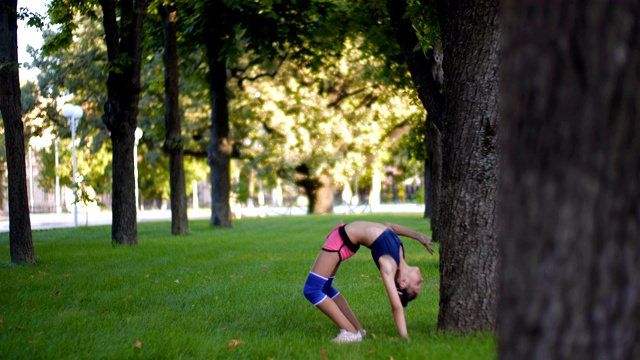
x,y
123,25
20,237
173,124
123,22
569,209
322,129
263,34
218,26
417,31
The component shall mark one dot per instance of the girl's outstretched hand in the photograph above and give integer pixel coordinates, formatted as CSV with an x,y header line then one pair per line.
x,y
424,240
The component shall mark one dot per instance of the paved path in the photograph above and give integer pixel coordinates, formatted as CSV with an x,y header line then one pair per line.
x,y
51,221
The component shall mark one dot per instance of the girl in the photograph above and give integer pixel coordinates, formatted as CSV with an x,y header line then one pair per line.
x,y
401,281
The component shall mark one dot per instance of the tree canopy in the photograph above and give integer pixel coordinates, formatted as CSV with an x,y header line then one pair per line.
x,y
287,91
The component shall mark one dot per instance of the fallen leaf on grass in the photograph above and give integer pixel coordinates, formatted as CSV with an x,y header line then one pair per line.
x,y
324,355
233,344
137,345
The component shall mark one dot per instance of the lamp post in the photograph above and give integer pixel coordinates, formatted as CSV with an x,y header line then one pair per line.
x,y
73,113
138,134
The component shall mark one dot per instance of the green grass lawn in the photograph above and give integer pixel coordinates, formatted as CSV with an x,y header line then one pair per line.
x,y
213,294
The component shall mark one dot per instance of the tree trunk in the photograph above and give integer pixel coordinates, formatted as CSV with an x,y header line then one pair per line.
x,y
124,41
319,190
20,238
324,196
570,182
468,199
220,147
173,141
310,187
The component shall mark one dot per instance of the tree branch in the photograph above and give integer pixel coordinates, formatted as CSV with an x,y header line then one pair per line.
x,y
238,72
343,95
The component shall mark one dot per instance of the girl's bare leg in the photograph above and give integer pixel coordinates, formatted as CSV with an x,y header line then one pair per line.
x,y
333,311
337,309
346,311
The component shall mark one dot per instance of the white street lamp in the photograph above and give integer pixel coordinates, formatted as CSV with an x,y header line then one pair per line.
x,y
138,134
73,113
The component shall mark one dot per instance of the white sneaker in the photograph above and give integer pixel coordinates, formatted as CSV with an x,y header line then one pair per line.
x,y
362,333
345,336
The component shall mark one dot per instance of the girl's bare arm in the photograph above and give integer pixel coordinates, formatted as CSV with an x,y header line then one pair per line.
x,y
404,231
386,271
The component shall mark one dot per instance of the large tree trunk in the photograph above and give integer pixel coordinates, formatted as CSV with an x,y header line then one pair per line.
x,y
461,140
173,141
124,49
20,238
220,147
570,182
467,209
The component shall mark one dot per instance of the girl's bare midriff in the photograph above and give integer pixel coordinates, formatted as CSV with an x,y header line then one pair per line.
x,y
364,232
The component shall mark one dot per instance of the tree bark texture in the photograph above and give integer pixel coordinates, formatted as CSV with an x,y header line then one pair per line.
x,y
469,174
173,124
570,182
220,147
20,237
124,49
